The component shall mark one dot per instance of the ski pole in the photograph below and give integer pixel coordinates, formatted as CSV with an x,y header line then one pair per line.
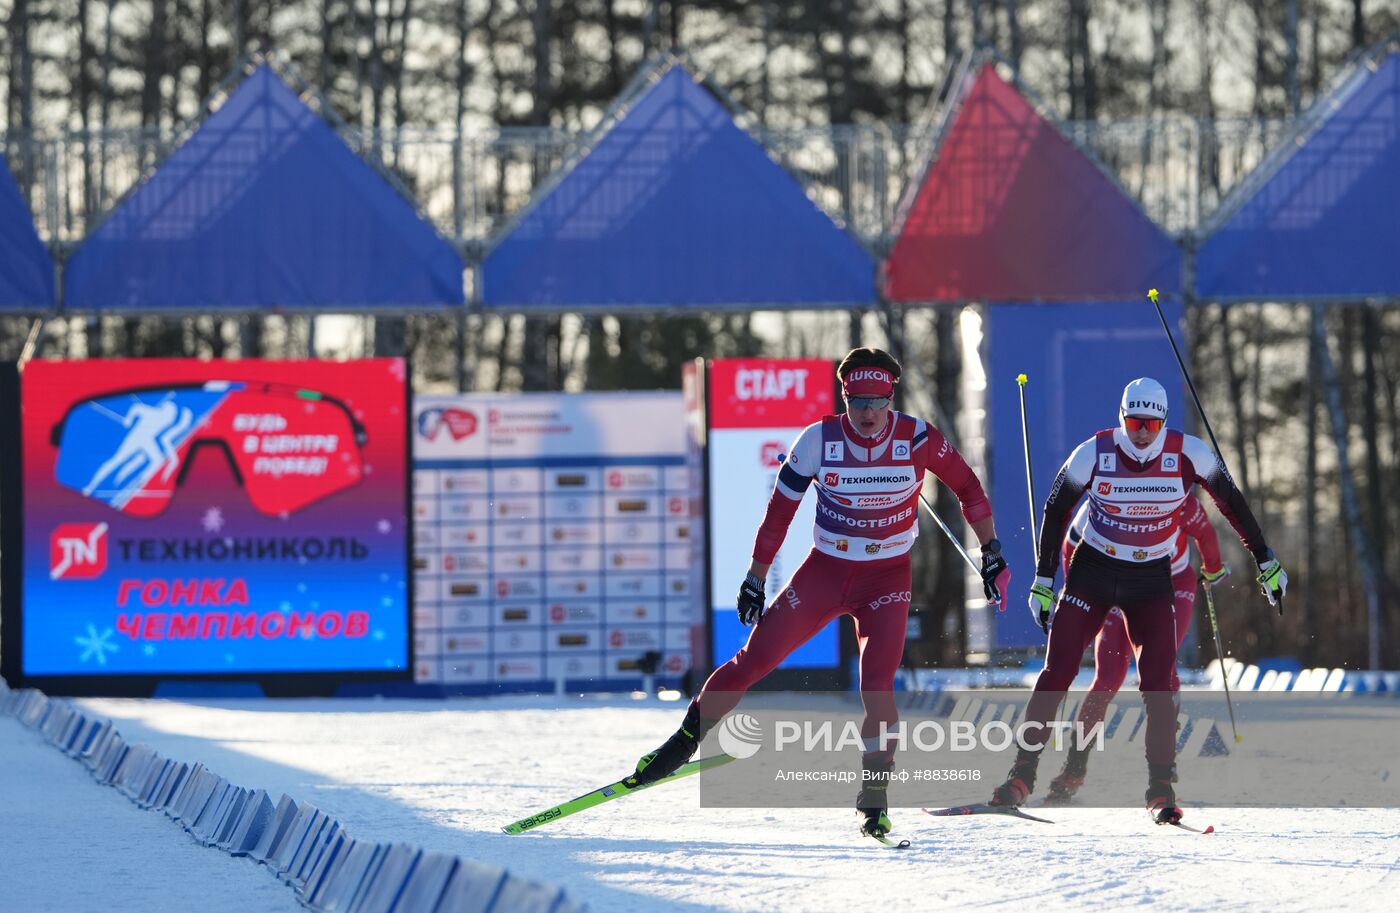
x,y
1220,654
31,342
1030,482
1181,362
949,533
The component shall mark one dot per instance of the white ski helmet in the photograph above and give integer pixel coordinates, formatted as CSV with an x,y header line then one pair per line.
x,y
1144,396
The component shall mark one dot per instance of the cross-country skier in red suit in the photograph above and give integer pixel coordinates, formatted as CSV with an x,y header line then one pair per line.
x,y
1137,476
868,466
1112,647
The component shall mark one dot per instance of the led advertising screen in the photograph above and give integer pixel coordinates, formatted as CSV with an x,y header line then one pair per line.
x,y
554,541
182,518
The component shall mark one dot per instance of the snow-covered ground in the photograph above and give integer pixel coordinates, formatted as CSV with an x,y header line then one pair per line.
x,y
68,845
447,775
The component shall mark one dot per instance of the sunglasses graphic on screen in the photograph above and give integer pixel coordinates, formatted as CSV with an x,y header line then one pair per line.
x,y
288,447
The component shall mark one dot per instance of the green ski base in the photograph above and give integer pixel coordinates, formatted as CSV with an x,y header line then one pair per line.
x,y
890,843
607,794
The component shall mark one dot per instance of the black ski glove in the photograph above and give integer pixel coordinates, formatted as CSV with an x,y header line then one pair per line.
x,y
751,600
996,576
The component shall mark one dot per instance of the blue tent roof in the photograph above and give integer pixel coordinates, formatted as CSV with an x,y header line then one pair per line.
x,y
675,205
26,270
264,207
1321,219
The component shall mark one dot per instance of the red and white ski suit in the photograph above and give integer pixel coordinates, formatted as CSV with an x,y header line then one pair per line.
x,y
1112,646
1125,561
867,520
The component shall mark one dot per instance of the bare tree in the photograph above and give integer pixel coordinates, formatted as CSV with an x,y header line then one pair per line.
x,y
21,95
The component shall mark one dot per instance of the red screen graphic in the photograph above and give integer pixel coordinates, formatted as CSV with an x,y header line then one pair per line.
x,y
770,393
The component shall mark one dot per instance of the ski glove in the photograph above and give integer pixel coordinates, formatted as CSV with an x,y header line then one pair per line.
x,y
1211,578
1273,581
1041,601
751,600
996,576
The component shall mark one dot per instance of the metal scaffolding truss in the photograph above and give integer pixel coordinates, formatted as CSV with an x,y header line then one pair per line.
x,y
469,186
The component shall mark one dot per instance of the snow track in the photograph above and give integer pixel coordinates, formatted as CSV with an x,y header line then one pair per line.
x,y
446,776
70,845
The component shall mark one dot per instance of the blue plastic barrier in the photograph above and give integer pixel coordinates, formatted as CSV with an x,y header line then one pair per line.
x,y
330,871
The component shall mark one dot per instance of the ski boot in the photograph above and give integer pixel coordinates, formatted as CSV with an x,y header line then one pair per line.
x,y
1161,797
875,822
1071,777
873,803
1020,781
675,751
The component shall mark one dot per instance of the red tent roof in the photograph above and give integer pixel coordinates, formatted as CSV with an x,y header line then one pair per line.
x,y
1010,210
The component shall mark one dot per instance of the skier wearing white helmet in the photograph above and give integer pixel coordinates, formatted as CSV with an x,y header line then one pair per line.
x,y
1147,398
1113,650
1137,475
